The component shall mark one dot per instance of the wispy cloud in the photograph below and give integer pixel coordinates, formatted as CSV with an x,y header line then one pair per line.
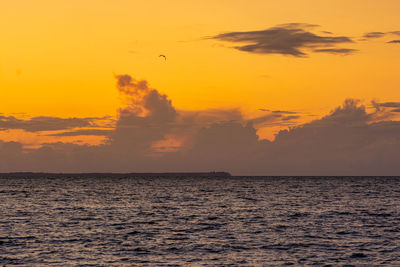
x,y
339,51
95,132
379,105
376,35
44,123
278,111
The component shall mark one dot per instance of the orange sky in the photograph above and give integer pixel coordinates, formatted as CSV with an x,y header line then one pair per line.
x,y
58,58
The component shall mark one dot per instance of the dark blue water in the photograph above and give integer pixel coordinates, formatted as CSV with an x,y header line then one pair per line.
x,y
246,221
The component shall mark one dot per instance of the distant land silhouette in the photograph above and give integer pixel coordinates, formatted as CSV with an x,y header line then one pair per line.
x,y
104,175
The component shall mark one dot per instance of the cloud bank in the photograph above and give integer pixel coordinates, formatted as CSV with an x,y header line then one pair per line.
x,y
151,135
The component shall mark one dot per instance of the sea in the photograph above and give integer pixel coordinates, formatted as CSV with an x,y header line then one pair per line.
x,y
133,220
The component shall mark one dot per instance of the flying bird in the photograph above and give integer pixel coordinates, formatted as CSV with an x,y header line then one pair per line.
x,y
165,58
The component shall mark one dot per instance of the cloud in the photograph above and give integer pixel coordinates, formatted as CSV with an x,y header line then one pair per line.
x,y
278,111
342,51
384,109
344,142
277,117
389,104
147,117
43,123
11,156
287,118
97,132
378,106
223,144
263,119
374,34
287,39
284,112
273,118
152,136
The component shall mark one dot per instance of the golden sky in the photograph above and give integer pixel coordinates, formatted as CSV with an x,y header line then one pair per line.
x,y
59,58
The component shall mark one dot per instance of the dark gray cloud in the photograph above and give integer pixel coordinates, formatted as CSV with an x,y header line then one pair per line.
x,y
274,118
394,42
287,39
384,109
279,118
284,112
341,51
43,123
374,34
278,111
388,104
96,132
287,118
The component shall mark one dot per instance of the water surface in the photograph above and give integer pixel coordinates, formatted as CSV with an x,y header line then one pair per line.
x,y
183,221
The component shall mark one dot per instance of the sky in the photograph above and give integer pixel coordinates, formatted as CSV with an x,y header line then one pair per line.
x,y
251,87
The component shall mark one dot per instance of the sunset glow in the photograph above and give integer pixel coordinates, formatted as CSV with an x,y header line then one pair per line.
x,y
274,64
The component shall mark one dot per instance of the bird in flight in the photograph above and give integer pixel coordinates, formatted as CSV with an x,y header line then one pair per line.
x,y
165,58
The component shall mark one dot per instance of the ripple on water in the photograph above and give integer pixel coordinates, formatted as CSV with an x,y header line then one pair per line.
x,y
124,221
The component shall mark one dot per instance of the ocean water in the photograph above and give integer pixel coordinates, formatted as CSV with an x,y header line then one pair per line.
x,y
199,221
